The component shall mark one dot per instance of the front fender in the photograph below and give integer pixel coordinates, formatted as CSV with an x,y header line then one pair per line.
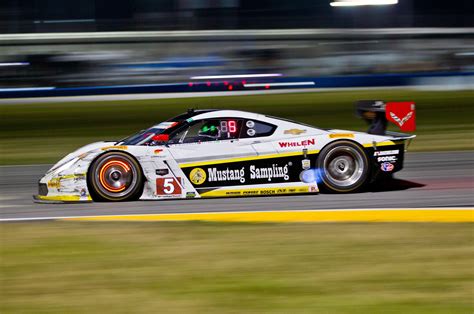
x,y
66,181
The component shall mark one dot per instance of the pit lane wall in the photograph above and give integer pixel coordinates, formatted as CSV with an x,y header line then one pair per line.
x,y
437,80
114,63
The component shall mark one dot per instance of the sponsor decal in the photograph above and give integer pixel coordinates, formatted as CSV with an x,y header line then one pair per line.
x,y
251,132
157,151
123,147
226,175
386,152
387,158
255,171
402,114
190,195
258,191
387,167
54,183
306,164
197,176
311,141
79,177
401,121
166,125
168,186
162,172
239,174
271,172
341,135
83,192
250,124
294,131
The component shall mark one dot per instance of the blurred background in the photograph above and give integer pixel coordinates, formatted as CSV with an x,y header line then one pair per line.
x,y
60,44
121,57
409,50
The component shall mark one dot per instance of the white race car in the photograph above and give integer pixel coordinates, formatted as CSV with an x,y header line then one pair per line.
x,y
224,153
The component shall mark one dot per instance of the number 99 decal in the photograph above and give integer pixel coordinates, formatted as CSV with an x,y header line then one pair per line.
x,y
228,126
168,186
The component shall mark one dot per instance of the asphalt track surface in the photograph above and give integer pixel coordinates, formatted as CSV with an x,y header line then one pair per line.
x,y
429,180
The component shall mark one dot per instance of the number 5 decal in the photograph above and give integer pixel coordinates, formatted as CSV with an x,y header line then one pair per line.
x,y
168,186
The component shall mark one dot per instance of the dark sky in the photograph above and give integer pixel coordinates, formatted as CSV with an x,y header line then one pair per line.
x,y
204,14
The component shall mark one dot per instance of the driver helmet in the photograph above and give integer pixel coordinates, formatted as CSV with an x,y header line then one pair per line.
x,y
210,129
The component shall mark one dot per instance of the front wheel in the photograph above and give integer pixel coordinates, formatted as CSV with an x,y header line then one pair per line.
x,y
343,167
115,176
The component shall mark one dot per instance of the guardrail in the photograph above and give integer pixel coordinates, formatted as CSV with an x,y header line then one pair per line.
x,y
323,82
210,35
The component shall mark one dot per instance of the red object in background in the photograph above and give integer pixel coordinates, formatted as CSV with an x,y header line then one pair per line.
x,y
230,87
161,138
402,114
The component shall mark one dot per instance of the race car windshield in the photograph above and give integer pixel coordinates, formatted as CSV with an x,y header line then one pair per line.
x,y
142,137
145,136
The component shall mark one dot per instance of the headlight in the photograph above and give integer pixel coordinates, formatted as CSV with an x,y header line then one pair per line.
x,y
64,165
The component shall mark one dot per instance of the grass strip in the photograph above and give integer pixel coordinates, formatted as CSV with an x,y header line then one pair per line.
x,y
78,267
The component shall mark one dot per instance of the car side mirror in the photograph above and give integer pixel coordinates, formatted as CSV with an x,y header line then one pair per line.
x,y
161,138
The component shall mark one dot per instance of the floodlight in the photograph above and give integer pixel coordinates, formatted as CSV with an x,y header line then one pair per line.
x,y
352,3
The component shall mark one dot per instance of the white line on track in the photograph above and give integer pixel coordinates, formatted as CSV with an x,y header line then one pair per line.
x,y
32,165
9,206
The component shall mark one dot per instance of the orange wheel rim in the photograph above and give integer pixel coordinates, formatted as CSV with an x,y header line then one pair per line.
x,y
110,174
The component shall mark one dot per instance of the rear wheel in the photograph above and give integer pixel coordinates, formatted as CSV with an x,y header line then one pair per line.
x,y
344,167
115,176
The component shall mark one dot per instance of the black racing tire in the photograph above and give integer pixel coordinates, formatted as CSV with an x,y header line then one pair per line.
x,y
343,167
115,177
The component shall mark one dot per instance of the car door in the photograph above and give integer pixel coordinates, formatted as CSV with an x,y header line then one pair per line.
x,y
193,145
257,134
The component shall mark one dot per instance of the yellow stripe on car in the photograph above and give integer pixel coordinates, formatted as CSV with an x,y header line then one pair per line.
x,y
257,191
341,135
384,143
223,161
123,147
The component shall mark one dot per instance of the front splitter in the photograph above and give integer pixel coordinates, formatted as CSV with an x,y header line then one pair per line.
x,y
61,199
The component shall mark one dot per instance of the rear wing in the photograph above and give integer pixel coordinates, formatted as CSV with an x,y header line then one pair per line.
x,y
377,113
400,136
